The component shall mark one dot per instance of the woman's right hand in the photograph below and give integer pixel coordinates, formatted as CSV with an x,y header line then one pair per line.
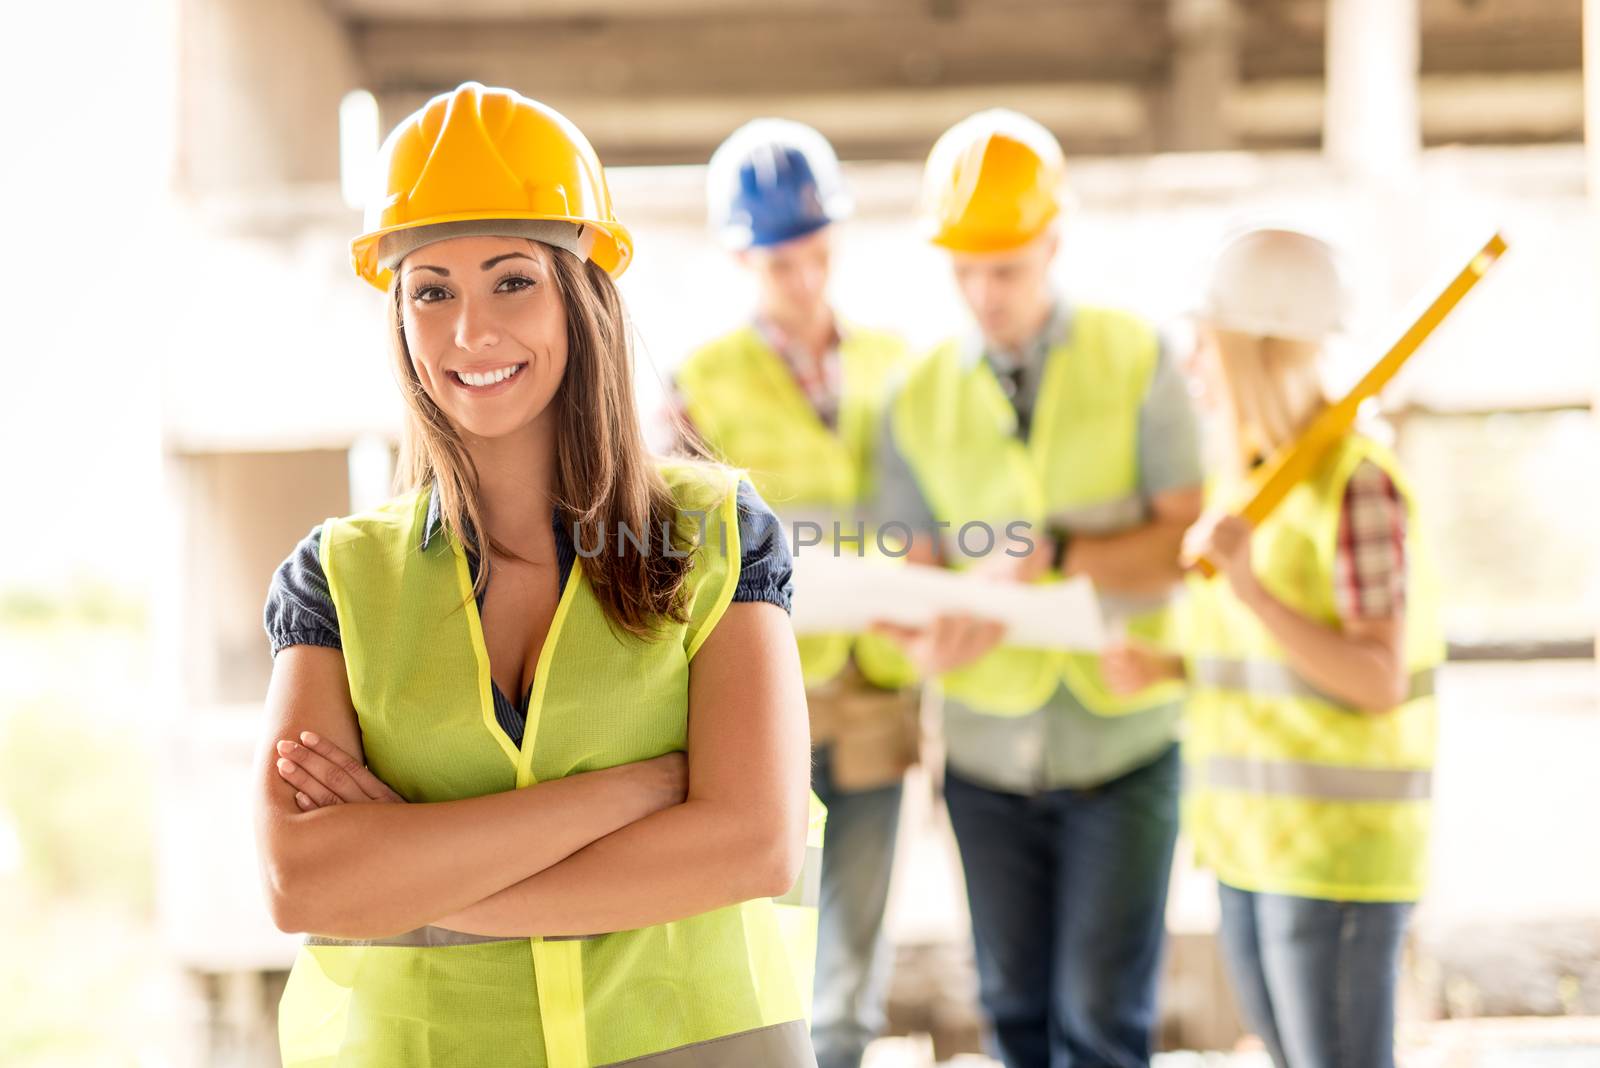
x,y
658,783
323,774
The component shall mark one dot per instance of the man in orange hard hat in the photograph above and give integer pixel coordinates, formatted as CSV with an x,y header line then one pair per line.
x,y
1063,794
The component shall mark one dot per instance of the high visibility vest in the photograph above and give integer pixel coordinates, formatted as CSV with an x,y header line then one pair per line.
x,y
1290,791
729,986
1078,469
747,406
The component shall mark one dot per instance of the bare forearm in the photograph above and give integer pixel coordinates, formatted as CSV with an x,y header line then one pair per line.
x,y
680,862
371,870
1363,672
1137,561
740,835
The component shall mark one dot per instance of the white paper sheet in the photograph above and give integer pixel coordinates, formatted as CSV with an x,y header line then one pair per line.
x,y
846,593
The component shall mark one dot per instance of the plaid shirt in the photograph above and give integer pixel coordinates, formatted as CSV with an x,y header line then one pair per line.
x,y
1369,573
819,378
821,381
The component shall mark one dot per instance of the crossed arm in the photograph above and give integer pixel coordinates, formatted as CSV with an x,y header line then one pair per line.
x,y
608,850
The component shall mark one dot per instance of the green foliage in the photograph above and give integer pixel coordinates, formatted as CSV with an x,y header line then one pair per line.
x,y
85,601
79,797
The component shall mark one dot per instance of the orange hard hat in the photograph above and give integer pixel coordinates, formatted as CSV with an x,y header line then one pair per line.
x,y
479,155
993,182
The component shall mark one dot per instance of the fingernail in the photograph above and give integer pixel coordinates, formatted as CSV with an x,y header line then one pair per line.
x,y
309,738
285,765
286,747
302,798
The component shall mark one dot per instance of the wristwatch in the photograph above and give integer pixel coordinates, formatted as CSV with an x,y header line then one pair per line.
x,y
1061,539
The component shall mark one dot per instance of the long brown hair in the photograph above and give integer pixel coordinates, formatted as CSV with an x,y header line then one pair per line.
x,y
606,479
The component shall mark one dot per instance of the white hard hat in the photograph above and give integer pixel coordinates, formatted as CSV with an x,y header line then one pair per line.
x,y
1275,283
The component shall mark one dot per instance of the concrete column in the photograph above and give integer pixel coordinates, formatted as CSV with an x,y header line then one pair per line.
x,y
1205,70
1371,124
1591,130
259,91
1591,92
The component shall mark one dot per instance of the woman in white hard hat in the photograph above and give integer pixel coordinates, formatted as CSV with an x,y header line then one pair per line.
x,y
1310,659
555,819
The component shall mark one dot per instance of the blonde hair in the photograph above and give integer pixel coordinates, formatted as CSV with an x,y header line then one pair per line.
x,y
1272,389
606,478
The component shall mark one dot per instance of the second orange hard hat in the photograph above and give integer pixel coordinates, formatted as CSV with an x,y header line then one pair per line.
x,y
993,182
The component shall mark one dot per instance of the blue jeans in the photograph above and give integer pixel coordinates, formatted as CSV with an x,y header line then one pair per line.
x,y
853,958
1068,891
1315,979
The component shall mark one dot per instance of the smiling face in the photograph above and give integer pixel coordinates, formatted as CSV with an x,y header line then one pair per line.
x,y
486,329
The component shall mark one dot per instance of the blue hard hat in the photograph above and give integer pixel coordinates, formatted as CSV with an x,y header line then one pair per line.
x,y
771,181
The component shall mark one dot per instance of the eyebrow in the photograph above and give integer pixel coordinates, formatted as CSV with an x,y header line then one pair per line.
x,y
484,266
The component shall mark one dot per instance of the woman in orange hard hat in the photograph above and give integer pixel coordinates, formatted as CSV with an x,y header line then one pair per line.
x,y
1310,661
558,818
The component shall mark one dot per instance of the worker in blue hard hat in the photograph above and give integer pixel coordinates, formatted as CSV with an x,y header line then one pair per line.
x,y
794,396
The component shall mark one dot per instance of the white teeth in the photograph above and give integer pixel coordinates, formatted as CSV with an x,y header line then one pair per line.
x,y
489,378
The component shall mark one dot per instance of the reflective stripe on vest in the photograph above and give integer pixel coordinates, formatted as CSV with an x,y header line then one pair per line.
x,y
785,1043
1323,782
1267,678
429,938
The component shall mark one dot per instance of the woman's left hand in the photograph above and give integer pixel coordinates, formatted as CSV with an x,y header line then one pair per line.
x,y
1224,540
323,774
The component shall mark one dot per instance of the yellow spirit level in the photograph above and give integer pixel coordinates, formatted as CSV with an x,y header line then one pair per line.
x,y
1296,460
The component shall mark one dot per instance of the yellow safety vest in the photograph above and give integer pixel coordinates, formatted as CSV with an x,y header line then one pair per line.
x,y
727,987
1289,791
1079,468
747,406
